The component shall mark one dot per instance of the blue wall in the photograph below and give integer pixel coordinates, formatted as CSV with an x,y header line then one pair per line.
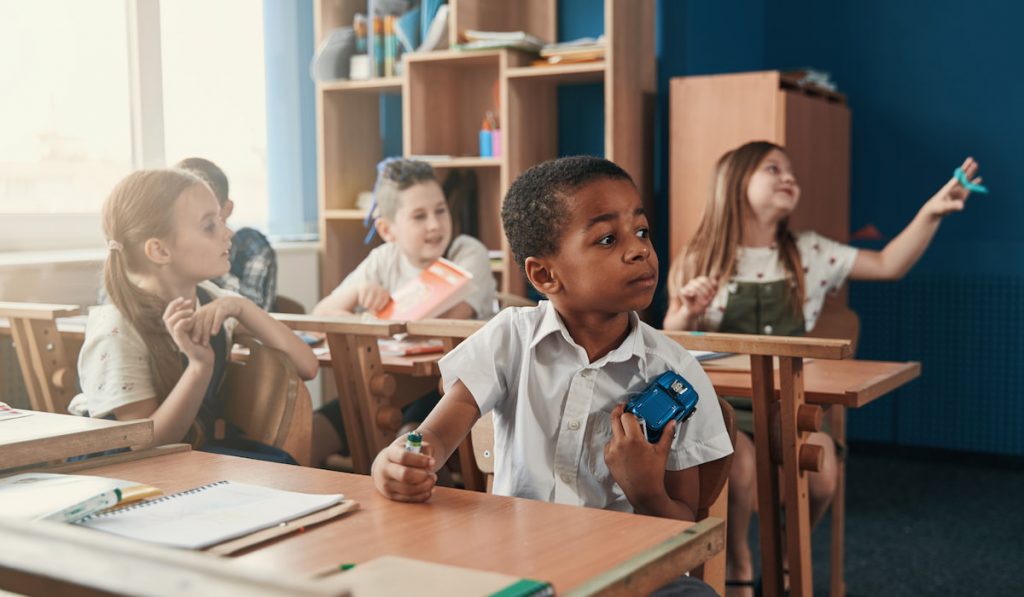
x,y
927,84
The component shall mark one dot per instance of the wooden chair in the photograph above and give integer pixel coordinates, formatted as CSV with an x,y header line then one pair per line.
x,y
838,321
284,304
265,397
507,299
714,479
47,365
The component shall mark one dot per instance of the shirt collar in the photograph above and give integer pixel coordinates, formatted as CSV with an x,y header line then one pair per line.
x,y
551,322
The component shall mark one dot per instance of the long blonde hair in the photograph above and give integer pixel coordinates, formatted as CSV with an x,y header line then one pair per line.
x,y
139,208
712,251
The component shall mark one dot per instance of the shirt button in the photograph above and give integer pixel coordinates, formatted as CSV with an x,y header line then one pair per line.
x,y
566,478
733,287
768,329
574,425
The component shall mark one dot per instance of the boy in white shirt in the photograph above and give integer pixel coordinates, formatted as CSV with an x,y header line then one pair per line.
x,y
557,375
416,226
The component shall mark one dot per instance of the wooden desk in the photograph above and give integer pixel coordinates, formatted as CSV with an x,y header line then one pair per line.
x,y
42,437
577,549
851,383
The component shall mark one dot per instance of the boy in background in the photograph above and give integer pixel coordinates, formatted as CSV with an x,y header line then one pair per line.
x,y
416,225
253,271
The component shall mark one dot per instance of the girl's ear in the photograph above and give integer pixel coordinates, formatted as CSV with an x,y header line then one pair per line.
x,y
539,273
157,251
383,226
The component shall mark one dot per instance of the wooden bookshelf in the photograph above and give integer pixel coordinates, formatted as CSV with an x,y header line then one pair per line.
x,y
445,95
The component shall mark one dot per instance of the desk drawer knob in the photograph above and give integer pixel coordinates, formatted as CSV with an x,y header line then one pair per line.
x,y
809,418
811,457
389,418
383,385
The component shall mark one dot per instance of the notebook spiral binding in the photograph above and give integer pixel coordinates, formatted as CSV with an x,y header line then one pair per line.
x,y
146,503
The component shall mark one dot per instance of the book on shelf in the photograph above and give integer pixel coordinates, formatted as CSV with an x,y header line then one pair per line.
x,y
211,514
435,27
394,575
52,496
439,287
487,40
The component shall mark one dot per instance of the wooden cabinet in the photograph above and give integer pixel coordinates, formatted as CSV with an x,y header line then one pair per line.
x,y
713,114
445,95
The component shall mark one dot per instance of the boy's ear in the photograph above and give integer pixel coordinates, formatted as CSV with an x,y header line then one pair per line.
x,y
383,226
227,209
540,274
157,251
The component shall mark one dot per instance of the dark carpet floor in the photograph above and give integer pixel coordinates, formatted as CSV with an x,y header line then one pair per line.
x,y
928,523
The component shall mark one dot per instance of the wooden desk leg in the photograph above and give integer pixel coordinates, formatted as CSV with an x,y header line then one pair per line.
x,y
838,579
762,379
349,382
798,516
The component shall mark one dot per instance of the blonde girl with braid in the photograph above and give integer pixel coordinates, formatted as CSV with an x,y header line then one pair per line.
x,y
158,350
746,272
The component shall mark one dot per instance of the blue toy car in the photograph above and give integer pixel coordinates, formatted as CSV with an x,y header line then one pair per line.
x,y
669,397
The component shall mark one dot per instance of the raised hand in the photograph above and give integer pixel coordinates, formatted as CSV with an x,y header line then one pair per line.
x,y
952,196
697,294
179,319
210,317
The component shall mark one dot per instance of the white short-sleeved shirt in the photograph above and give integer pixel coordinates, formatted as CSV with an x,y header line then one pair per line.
x,y
388,267
552,406
113,366
826,262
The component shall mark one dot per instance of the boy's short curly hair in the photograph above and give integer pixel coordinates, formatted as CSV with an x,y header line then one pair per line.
x,y
394,175
210,173
534,212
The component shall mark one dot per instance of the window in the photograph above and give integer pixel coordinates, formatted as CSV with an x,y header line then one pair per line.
x,y
214,94
66,111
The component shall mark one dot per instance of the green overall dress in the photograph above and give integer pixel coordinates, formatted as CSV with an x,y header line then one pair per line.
x,y
763,308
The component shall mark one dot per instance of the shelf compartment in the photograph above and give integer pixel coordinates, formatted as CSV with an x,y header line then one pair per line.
x,y
448,95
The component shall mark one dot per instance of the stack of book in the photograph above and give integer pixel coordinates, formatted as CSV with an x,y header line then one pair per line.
x,y
586,49
491,40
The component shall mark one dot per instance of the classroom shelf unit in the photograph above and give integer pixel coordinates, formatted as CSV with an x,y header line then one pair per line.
x,y
444,96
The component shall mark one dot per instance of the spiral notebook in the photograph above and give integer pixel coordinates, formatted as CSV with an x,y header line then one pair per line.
x,y
208,515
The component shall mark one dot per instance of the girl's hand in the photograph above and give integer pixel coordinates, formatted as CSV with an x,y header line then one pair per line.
x,y
637,465
402,475
373,297
952,196
210,317
697,294
179,318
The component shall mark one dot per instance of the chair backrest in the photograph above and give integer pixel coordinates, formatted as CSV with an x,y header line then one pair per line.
x,y
284,304
837,321
506,299
49,370
265,397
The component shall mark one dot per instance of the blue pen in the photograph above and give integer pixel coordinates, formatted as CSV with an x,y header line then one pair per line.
x,y
87,507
